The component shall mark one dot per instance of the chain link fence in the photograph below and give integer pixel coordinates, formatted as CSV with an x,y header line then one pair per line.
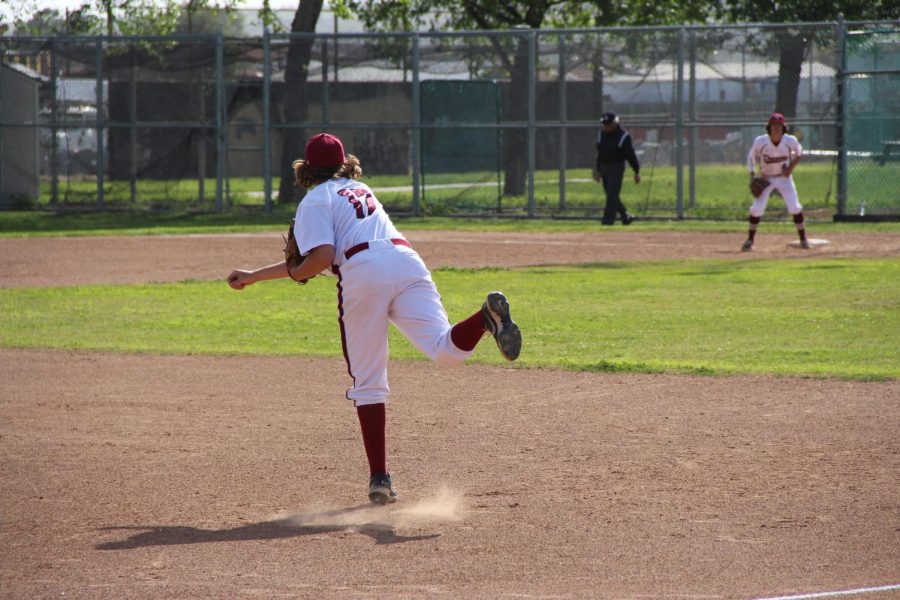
x,y
452,123
871,117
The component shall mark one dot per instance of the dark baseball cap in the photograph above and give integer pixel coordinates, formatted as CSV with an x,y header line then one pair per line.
x,y
324,150
608,117
776,118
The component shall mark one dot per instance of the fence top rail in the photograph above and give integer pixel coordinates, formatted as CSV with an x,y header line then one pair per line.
x,y
895,29
892,26
120,38
587,30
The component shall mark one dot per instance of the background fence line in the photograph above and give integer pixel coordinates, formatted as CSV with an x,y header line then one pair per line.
x,y
508,127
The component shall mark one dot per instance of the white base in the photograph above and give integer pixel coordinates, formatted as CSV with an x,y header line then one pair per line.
x,y
813,243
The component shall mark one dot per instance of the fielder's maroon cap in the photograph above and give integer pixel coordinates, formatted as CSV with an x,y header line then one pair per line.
x,y
776,118
324,150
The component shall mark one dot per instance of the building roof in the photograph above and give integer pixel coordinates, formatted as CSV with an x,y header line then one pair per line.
x,y
26,71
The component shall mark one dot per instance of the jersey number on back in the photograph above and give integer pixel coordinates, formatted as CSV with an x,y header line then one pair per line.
x,y
356,198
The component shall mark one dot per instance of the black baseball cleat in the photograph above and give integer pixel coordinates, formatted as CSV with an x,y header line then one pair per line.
x,y
805,244
747,246
495,318
381,490
627,219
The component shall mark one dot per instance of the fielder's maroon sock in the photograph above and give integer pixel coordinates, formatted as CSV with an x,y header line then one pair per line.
x,y
466,334
801,229
372,421
754,223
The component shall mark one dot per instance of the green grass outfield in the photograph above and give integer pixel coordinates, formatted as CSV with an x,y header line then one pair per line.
x,y
829,317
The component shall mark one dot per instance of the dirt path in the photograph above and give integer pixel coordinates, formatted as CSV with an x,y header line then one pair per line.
x,y
26,262
173,477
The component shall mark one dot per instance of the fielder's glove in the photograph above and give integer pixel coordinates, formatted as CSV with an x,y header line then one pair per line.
x,y
757,185
292,256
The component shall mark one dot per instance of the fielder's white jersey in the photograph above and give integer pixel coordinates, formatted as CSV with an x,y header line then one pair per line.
x,y
343,213
773,158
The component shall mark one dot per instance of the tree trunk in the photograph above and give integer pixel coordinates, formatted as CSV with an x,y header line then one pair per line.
x,y
296,95
792,51
515,141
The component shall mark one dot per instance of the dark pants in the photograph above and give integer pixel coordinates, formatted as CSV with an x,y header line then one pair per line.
x,y
612,174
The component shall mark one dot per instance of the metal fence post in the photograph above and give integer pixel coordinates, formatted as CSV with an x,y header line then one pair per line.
x,y
201,129
679,129
692,123
226,140
326,92
267,119
841,45
100,146
498,165
3,202
416,128
220,101
563,132
532,104
132,130
54,121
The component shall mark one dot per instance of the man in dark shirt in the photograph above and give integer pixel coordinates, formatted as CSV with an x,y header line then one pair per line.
x,y
613,149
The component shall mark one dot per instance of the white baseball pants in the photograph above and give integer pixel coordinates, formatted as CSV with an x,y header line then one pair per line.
x,y
388,283
785,187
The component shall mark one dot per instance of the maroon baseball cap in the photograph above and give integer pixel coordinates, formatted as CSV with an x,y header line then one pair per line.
x,y
776,118
324,150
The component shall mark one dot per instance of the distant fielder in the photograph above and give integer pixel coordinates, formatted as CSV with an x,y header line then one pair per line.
x,y
777,154
341,226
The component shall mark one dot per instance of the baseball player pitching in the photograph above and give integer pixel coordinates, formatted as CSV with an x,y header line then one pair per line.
x,y
340,226
777,154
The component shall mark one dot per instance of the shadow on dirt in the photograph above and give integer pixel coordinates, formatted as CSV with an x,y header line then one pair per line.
x,y
167,535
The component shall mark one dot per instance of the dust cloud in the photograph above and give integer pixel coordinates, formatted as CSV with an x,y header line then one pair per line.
x,y
440,507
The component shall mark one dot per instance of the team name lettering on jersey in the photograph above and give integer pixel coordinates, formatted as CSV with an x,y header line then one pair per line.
x,y
774,159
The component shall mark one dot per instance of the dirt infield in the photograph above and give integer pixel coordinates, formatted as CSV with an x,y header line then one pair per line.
x,y
175,477
140,476
28,262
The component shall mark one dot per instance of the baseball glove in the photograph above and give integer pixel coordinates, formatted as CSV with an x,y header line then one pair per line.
x,y
292,256
757,185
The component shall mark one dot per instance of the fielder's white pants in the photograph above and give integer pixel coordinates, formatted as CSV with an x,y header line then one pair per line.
x,y
383,284
785,187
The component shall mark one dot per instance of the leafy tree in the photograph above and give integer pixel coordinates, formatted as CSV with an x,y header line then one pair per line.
x,y
268,17
47,21
793,44
128,17
201,16
296,92
519,14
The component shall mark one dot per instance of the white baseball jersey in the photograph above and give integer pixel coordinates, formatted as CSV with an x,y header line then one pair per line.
x,y
343,213
773,158
386,282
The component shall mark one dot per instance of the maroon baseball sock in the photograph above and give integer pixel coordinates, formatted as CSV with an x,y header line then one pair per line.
x,y
801,229
466,334
372,421
754,223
